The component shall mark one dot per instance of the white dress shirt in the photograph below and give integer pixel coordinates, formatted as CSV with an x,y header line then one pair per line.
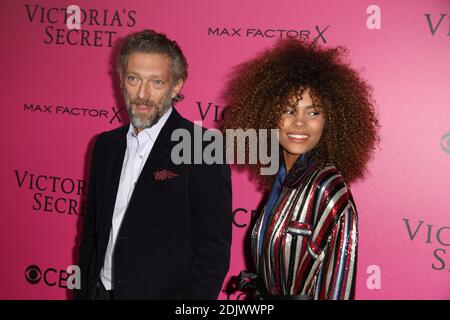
x,y
136,154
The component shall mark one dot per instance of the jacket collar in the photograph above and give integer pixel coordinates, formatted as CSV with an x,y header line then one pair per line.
x,y
302,166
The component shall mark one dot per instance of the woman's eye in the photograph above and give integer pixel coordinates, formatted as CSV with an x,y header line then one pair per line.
x,y
314,113
289,112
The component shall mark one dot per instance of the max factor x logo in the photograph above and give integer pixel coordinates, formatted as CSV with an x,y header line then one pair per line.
x,y
112,116
316,35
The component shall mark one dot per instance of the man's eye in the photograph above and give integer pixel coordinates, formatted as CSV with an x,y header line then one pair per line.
x,y
131,78
158,83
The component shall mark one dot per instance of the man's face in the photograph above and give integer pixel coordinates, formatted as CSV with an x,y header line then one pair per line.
x,y
148,88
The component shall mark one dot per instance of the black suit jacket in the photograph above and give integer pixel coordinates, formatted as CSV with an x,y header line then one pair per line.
x,y
175,237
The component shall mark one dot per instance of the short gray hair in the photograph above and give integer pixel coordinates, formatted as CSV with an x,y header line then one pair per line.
x,y
150,41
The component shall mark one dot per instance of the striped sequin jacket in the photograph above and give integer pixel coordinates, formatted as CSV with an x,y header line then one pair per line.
x,y
310,244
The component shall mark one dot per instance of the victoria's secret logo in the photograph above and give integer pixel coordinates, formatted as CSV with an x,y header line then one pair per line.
x,y
54,194
76,26
211,111
435,235
438,24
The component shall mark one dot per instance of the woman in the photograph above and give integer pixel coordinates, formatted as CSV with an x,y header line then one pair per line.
x,y
304,243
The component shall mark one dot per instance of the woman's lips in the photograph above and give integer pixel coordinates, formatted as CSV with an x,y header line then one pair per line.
x,y
298,137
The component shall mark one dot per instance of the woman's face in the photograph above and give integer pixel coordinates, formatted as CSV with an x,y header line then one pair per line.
x,y
300,128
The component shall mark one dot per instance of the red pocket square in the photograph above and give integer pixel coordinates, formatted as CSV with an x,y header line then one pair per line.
x,y
164,175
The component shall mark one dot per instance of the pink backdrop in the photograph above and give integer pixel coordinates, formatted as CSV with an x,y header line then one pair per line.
x,y
46,136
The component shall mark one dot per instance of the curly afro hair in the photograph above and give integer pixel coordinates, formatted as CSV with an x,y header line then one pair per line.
x,y
262,88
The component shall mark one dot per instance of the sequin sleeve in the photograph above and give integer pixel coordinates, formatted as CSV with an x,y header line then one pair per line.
x,y
338,271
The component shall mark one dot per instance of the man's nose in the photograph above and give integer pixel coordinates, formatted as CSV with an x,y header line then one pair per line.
x,y
144,90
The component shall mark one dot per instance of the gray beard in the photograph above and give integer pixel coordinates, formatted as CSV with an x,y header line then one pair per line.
x,y
145,122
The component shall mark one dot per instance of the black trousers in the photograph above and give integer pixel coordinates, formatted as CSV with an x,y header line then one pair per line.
x,y
102,293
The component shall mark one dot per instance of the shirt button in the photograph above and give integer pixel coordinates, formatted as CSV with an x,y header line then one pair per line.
x,y
141,156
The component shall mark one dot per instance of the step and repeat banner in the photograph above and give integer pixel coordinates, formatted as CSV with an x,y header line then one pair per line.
x,y
60,89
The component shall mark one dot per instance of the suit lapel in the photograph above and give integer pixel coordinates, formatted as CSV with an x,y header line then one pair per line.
x,y
156,160
114,161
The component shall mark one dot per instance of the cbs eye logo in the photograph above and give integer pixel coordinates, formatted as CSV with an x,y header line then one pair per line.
x,y
68,279
445,143
33,274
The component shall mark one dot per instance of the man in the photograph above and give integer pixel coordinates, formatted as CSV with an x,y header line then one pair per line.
x,y
153,229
